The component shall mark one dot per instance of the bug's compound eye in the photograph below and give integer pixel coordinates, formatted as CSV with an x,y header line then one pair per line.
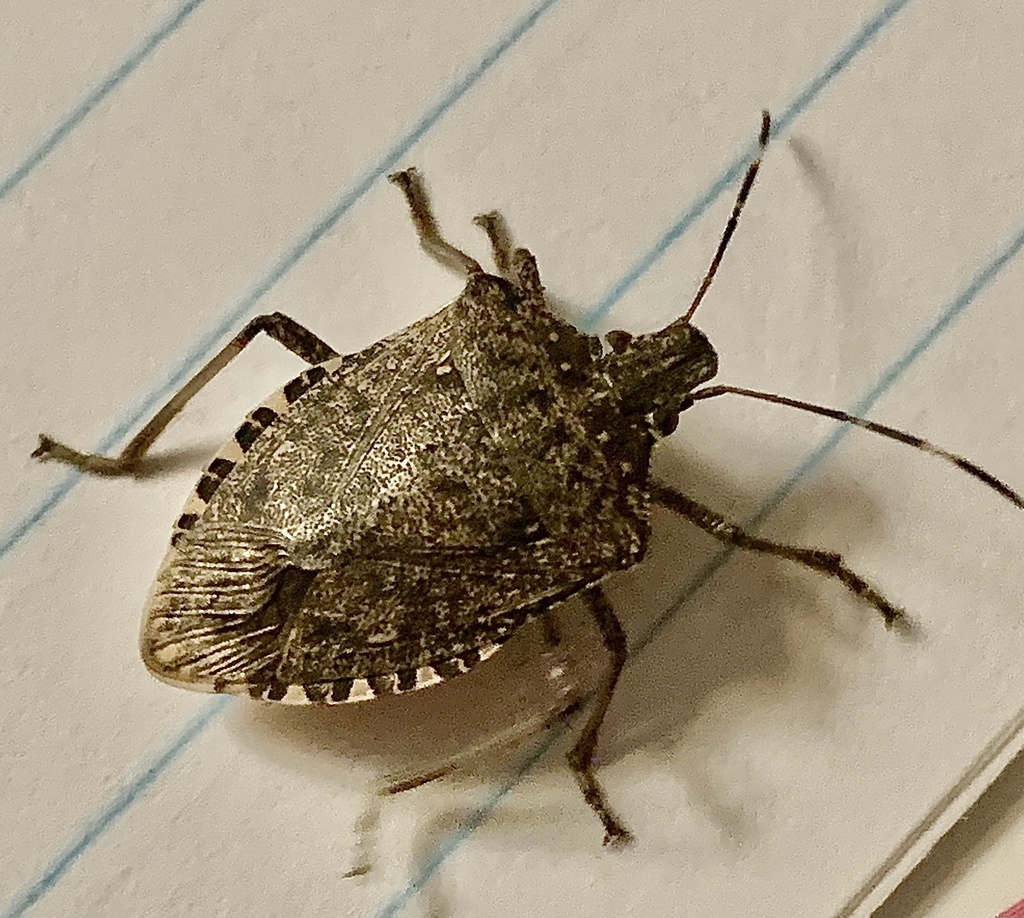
x,y
618,340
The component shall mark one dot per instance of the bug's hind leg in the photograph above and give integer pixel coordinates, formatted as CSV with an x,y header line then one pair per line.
x,y
825,562
298,339
581,756
426,226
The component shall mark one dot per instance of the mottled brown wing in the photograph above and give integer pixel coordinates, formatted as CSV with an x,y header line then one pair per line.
x,y
214,612
364,628
369,535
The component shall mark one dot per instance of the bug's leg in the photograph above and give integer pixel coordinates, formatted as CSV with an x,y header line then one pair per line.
x,y
366,837
426,226
581,756
826,562
417,780
399,785
494,225
281,328
516,265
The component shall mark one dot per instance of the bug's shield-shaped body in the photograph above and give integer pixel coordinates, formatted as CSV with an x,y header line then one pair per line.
x,y
390,517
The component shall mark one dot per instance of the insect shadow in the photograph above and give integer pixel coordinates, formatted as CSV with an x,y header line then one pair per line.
x,y
763,621
268,592
174,460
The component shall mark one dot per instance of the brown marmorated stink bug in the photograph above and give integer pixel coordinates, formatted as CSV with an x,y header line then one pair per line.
x,y
387,519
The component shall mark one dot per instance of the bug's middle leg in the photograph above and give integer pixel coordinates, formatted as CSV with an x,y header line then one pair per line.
x,y
283,329
825,562
581,756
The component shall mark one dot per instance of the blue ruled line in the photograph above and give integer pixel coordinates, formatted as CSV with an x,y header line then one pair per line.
x,y
738,166
953,311
98,826
85,837
188,736
229,323
82,110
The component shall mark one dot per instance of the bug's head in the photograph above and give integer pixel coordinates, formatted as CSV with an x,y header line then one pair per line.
x,y
651,375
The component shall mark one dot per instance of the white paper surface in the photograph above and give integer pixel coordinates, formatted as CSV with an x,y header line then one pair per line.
x,y
167,172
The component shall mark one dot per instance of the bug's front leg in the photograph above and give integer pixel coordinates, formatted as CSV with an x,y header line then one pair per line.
x,y
298,339
581,756
493,224
431,240
514,264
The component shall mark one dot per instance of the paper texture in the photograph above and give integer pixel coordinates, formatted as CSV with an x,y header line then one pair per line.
x,y
167,172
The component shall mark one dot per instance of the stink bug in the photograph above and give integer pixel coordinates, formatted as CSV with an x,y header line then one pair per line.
x,y
387,519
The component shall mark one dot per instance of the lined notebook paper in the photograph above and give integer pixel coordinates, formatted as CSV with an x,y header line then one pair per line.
x,y
169,171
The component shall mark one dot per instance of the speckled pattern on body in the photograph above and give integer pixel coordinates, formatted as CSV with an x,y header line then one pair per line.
x,y
408,507
387,519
